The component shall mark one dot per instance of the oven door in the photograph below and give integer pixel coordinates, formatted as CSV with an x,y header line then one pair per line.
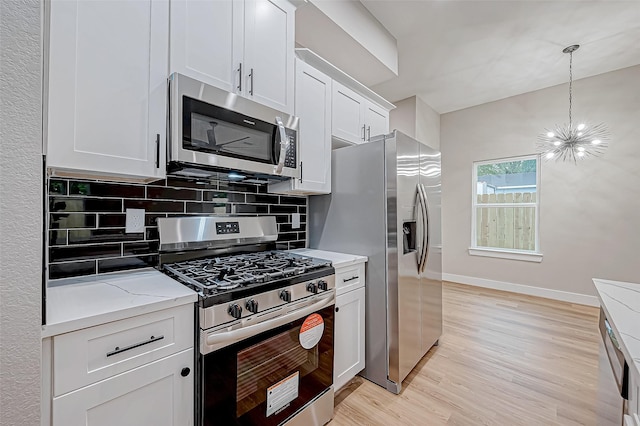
x,y
266,378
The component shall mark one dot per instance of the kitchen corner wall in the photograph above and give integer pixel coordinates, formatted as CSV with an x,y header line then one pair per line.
x,y
86,223
589,212
21,193
415,118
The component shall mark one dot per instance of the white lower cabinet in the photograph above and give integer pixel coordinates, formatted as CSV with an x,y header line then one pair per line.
x,y
349,337
158,394
136,371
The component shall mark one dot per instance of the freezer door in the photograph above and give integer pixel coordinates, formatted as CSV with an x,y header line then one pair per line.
x,y
431,273
403,178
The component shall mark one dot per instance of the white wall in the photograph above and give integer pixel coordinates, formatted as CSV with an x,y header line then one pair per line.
x,y
20,211
590,212
417,119
427,124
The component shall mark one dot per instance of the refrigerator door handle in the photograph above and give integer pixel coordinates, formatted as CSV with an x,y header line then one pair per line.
x,y
422,205
425,228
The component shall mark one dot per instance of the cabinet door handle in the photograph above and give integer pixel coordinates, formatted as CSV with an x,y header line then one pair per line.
x,y
337,309
363,130
251,77
350,279
368,133
157,150
301,171
119,350
185,372
240,78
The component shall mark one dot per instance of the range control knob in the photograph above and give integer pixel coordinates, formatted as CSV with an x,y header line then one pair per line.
x,y
252,306
285,295
312,288
322,285
235,311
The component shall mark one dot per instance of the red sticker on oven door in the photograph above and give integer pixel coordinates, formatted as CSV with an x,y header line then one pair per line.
x,y
311,331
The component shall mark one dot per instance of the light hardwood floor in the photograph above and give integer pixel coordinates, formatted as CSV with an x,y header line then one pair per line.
x,y
504,359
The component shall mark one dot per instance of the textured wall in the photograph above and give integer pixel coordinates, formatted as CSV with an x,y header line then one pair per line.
x,y
589,212
20,212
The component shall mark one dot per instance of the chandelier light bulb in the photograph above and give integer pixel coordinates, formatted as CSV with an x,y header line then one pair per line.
x,y
571,142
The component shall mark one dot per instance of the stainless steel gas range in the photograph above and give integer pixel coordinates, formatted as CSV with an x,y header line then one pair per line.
x,y
266,320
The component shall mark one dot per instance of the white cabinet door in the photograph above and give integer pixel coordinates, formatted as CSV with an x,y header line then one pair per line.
x,y
207,41
108,64
347,114
313,107
349,337
376,119
269,53
155,394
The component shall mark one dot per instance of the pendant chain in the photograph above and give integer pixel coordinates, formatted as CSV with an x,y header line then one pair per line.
x,y
570,85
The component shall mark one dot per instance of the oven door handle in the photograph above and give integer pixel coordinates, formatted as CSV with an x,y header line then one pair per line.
x,y
230,337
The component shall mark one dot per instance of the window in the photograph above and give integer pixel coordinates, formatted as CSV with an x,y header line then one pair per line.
x,y
505,208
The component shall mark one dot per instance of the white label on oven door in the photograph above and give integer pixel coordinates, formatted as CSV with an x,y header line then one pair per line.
x,y
311,331
282,393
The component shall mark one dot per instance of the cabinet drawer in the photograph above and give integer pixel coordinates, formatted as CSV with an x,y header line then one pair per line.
x,y
93,354
349,278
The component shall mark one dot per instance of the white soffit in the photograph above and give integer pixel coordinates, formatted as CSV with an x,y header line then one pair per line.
x,y
347,35
457,54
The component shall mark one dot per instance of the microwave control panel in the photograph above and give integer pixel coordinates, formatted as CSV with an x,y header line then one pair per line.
x,y
291,159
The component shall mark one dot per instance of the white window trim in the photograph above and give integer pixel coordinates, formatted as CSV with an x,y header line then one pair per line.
x,y
527,256
474,250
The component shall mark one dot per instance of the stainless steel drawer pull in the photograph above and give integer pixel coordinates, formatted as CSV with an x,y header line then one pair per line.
x,y
119,350
350,279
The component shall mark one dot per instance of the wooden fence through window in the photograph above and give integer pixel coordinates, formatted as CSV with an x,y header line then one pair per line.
x,y
510,226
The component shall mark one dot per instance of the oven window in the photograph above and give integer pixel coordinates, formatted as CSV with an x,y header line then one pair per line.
x,y
236,380
264,364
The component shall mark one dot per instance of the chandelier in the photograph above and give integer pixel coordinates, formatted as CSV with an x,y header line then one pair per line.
x,y
569,142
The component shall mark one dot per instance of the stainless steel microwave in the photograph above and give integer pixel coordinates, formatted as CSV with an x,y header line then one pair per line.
x,y
215,130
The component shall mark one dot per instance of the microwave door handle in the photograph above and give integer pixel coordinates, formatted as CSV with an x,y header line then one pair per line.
x,y
284,145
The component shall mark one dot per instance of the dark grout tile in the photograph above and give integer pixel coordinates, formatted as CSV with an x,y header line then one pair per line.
x,y
102,189
71,269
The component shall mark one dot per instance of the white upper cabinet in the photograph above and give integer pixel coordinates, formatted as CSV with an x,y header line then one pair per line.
x,y
269,52
356,119
313,108
347,114
377,120
107,87
207,41
242,46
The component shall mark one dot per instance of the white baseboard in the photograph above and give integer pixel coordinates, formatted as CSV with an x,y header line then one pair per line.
x,y
565,296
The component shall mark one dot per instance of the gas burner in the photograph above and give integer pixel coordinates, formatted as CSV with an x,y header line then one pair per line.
x,y
219,274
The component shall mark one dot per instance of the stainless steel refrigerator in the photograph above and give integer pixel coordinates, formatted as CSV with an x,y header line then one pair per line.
x,y
385,204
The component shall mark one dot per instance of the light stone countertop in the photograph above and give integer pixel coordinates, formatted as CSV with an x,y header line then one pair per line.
x,y
338,260
76,303
621,304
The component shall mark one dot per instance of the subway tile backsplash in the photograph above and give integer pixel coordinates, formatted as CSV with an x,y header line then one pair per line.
x,y
86,223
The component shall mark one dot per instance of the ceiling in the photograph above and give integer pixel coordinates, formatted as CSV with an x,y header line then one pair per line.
x,y
457,54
